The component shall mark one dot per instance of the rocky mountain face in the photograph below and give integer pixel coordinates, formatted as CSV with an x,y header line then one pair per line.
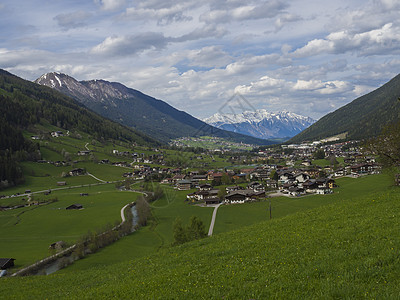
x,y
134,109
261,123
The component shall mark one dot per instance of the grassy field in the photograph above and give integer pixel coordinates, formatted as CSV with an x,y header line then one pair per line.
x,y
26,233
158,235
231,217
160,232
348,249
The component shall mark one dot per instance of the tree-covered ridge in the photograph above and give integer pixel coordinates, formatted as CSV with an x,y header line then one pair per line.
x,y
362,118
39,102
24,104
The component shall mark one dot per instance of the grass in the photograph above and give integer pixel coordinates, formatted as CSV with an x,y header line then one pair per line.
x,y
231,217
150,239
349,249
325,162
26,236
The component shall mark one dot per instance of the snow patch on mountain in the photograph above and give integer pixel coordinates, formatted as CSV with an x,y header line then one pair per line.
x,y
261,123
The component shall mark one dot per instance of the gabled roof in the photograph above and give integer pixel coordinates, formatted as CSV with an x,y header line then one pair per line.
x,y
6,262
184,181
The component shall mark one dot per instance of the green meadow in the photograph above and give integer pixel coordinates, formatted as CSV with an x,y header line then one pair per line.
x,y
26,233
235,216
348,249
159,233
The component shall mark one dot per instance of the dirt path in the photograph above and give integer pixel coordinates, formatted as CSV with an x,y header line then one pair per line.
x,y
214,215
91,175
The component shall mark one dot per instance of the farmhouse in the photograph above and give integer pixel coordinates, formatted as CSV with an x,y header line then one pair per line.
x,y
75,206
242,196
212,200
77,172
256,186
205,187
58,245
184,185
6,263
57,133
365,168
83,152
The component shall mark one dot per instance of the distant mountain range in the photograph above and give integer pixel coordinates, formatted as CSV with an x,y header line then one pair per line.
x,y
262,124
362,118
134,109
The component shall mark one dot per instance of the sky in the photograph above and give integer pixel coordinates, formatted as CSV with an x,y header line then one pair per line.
x,y
305,56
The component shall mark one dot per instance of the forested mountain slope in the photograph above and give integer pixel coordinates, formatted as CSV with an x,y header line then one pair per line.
x,y
362,118
24,104
132,108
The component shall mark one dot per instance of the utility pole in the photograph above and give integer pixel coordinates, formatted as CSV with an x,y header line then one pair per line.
x,y
270,209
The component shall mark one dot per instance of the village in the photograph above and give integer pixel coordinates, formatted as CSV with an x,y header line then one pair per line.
x,y
284,170
287,170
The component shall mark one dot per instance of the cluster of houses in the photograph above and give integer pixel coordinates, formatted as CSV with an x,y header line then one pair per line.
x,y
141,157
296,183
233,194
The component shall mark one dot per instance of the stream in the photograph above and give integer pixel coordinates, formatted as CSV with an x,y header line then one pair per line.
x,y
67,260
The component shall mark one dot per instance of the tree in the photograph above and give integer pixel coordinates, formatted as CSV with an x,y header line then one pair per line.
x,y
387,145
225,179
319,154
179,232
274,175
196,229
332,160
143,210
221,193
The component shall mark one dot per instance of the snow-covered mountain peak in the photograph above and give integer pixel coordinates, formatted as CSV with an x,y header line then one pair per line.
x,y
262,123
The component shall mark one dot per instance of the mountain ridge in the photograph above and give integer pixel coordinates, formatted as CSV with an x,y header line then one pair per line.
x,y
135,109
261,123
364,117
27,106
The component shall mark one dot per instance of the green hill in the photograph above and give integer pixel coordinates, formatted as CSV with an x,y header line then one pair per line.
x,y
29,106
346,250
362,118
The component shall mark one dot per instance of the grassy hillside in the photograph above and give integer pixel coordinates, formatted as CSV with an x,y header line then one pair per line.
x,y
362,118
349,249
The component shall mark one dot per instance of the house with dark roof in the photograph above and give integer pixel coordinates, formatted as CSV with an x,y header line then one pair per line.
x,y
184,185
242,196
6,263
75,206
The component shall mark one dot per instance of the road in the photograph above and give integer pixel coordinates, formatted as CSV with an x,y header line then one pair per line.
x,y
214,215
91,175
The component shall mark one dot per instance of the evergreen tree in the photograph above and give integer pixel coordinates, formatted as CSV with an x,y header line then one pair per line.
x,y
180,236
196,229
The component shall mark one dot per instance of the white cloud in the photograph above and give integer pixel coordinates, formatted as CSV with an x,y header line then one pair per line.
x,y
263,10
72,20
374,42
164,15
284,19
303,56
211,56
110,5
131,44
